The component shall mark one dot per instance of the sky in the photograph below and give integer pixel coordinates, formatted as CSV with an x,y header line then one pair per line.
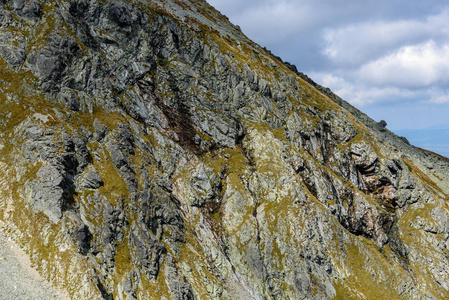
x,y
389,58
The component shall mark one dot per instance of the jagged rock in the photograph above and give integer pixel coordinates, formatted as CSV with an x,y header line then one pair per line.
x,y
91,180
178,286
47,193
18,4
30,9
119,14
14,55
364,156
100,131
205,185
148,251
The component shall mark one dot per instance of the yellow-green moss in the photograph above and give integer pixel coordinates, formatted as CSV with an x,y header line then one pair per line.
x,y
123,260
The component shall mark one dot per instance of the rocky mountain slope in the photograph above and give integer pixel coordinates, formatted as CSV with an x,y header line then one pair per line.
x,y
149,150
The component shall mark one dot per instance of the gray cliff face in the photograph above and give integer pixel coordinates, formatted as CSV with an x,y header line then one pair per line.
x,y
150,150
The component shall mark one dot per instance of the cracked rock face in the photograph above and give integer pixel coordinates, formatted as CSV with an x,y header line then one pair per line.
x,y
149,150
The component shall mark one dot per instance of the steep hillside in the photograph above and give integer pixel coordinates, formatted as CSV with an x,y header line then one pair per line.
x,y
149,150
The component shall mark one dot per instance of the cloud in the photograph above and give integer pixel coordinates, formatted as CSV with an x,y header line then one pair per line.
x,y
356,43
438,96
315,33
440,99
412,66
270,21
390,62
362,95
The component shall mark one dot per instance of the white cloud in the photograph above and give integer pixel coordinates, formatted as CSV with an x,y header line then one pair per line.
x,y
412,66
390,62
361,95
358,43
355,44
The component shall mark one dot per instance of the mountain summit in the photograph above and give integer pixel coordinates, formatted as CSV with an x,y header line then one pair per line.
x,y
150,150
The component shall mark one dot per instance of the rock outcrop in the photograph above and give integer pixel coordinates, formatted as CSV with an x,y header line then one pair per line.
x,y
149,150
